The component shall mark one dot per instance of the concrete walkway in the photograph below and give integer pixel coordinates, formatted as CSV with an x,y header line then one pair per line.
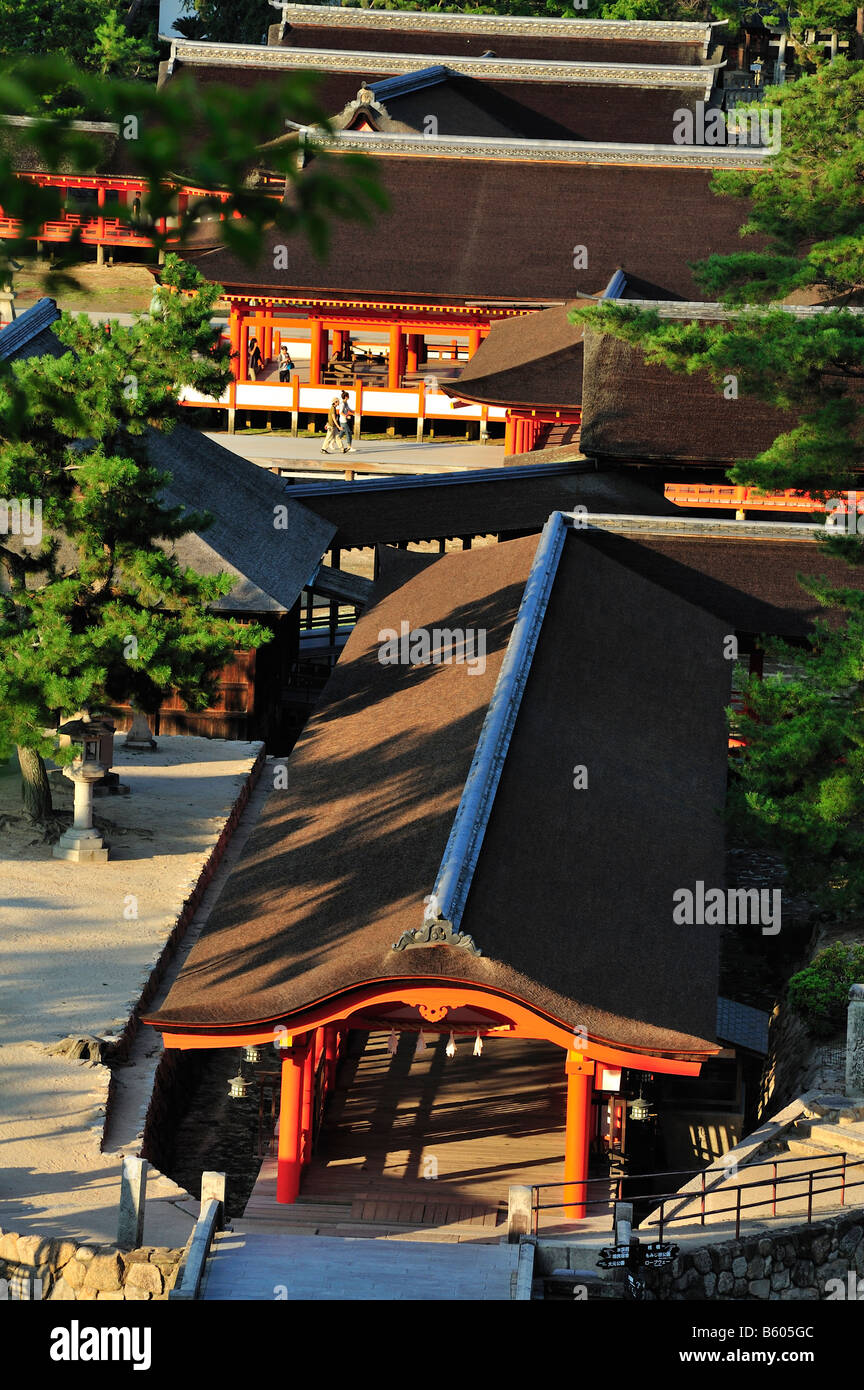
x,y
433,456
315,1268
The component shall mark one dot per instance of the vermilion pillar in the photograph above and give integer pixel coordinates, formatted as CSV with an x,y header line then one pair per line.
x,y
316,344
473,341
243,365
394,366
307,1100
580,1076
331,1052
235,323
510,435
289,1156
412,352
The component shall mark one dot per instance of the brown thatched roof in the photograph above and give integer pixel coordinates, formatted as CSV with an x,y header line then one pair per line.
x,y
533,360
464,228
569,916
637,410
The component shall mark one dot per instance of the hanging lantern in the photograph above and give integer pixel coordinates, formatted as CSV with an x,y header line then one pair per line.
x,y
238,1087
252,1054
450,1049
392,1042
478,1043
640,1109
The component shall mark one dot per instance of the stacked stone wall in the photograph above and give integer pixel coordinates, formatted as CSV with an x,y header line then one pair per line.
x,y
801,1263
33,1267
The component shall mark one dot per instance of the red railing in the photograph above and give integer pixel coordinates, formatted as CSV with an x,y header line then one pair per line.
x,y
687,1199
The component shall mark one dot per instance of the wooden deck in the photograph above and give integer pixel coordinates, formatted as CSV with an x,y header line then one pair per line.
x,y
427,1141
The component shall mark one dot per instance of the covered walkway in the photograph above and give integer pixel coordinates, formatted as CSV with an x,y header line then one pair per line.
x,y
427,1141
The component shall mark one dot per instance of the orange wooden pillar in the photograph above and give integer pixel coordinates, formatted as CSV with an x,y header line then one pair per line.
x,y
580,1075
510,435
290,1107
243,364
308,1095
394,365
473,341
316,344
235,323
412,352
331,1052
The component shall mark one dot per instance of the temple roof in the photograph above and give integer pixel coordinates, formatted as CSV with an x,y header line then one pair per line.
x,y
488,227
271,565
633,409
30,335
373,835
472,35
519,499
532,360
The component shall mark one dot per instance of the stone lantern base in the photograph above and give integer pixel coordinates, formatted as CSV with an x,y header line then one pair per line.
x,y
81,847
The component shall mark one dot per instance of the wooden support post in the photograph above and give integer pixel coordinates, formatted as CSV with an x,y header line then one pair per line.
x,y
308,1091
243,362
316,342
519,1210
133,1186
484,423
411,354
331,1052
510,435
473,341
421,411
295,405
394,363
214,1187
358,407
580,1075
288,1162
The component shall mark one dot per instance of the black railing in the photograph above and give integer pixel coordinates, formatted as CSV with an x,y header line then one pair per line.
x,y
704,1191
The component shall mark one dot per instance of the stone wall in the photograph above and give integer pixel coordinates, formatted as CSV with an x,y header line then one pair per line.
x,y
69,1271
789,1265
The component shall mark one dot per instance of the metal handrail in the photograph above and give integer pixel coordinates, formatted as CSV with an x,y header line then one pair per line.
x,y
682,1196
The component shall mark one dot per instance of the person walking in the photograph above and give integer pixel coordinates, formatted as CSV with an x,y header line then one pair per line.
x,y
256,362
285,364
346,415
334,428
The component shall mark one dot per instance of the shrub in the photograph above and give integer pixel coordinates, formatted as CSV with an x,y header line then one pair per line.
x,y
819,993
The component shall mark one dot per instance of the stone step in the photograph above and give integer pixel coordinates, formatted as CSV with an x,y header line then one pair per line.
x,y
846,1138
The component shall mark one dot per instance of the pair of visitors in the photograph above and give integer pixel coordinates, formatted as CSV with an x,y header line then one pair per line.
x,y
340,426
285,363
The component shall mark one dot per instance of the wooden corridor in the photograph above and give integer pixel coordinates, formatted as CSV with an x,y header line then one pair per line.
x,y
426,1141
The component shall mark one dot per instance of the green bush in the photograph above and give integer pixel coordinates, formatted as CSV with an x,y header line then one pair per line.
x,y
819,993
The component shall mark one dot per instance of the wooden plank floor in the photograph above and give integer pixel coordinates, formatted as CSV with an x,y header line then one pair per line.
x,y
429,1140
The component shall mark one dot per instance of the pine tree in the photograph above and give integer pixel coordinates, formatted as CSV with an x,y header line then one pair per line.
x,y
798,784
102,612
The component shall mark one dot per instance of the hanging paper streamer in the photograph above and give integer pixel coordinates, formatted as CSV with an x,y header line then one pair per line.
x,y
478,1044
421,1044
392,1041
450,1049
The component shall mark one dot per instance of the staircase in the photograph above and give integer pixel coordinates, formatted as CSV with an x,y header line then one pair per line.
x,y
830,1123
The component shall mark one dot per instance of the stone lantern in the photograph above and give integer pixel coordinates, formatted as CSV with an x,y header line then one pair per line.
x,y
82,843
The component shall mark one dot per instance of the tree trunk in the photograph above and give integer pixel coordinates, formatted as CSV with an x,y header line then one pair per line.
x,y
859,33
35,787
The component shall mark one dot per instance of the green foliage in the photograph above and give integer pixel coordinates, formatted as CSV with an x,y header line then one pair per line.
x,y
101,611
819,993
227,21
183,134
116,51
806,208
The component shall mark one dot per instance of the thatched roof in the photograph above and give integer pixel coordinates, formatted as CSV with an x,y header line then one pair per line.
x,y
568,915
534,360
272,564
462,229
